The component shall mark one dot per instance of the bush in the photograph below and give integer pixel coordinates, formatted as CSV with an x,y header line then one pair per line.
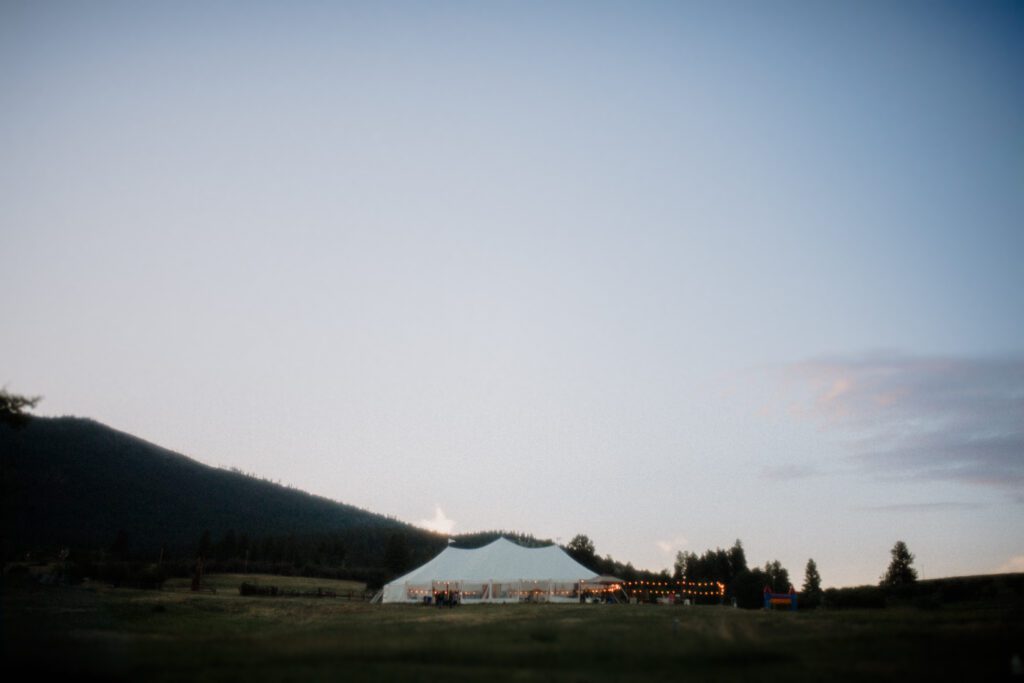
x,y
809,601
860,597
904,593
255,589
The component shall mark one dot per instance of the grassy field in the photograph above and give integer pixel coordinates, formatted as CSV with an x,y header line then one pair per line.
x,y
230,583
98,632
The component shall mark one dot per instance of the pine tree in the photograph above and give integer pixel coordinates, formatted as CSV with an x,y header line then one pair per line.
x,y
811,592
737,558
396,554
777,577
900,572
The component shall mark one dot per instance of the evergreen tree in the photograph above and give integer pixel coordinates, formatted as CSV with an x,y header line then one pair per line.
x,y
721,567
900,572
777,577
811,592
13,407
737,558
396,554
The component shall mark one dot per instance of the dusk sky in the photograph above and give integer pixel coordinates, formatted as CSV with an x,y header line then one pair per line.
x,y
668,274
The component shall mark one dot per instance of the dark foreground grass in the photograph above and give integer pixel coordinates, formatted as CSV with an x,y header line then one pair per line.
x,y
101,633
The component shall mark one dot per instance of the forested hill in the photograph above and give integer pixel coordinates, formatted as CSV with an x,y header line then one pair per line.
x,y
71,482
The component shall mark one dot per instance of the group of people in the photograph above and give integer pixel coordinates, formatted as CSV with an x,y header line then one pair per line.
x,y
446,598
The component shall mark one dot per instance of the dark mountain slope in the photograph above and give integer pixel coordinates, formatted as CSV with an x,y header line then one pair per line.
x,y
75,482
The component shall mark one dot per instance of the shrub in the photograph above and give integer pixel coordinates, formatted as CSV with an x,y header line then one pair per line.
x,y
862,597
255,589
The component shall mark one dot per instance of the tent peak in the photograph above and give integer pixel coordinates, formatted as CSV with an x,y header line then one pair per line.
x,y
519,545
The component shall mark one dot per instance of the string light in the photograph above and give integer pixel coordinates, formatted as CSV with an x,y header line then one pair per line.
x,y
533,587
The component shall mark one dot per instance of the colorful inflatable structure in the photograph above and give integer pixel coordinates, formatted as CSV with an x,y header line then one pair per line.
x,y
780,599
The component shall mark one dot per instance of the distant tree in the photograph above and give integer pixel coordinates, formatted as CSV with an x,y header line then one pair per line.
x,y
337,551
268,549
204,546
900,572
721,566
748,588
777,577
396,554
679,567
582,549
13,407
291,549
227,548
737,558
689,566
811,591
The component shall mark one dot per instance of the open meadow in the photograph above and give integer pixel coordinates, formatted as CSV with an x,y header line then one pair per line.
x,y
229,583
93,631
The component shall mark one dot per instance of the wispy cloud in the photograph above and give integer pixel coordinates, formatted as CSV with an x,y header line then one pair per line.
x,y
954,419
440,523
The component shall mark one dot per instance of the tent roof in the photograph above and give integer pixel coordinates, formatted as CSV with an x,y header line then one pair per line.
x,y
500,560
605,578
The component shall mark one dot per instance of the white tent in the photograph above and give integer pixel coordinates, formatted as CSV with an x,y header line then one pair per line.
x,y
498,572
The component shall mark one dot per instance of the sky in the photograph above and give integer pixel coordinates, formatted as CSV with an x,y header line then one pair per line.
x,y
667,274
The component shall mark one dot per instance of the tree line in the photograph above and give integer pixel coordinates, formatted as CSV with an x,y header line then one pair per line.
x,y
742,582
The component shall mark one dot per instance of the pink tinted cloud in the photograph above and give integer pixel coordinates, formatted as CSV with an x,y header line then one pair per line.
x,y
958,419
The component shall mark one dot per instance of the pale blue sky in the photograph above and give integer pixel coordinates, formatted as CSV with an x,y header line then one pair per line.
x,y
667,274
